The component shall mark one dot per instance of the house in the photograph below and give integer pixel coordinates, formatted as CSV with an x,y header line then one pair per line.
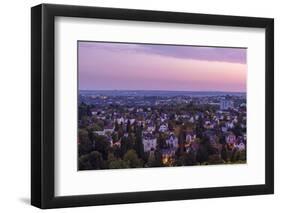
x,y
191,120
120,120
140,110
193,145
190,137
224,129
226,104
131,109
162,119
229,125
245,136
209,125
109,128
172,141
230,138
99,132
94,112
126,134
243,105
240,146
116,144
149,142
163,128
101,117
132,120
140,123
150,127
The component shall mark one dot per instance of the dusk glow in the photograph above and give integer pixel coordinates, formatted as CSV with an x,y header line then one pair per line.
x,y
143,106
121,66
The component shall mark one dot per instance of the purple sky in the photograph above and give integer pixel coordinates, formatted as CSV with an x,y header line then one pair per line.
x,y
123,66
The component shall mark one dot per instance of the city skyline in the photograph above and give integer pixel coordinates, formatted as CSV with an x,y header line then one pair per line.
x,y
124,66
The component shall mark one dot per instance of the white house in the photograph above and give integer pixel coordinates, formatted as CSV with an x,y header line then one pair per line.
x,y
116,144
208,125
190,137
229,125
149,142
172,141
230,138
131,109
163,128
109,129
141,123
240,146
226,104
120,120
126,134
245,136
94,112
224,129
132,121
162,119
99,132
191,120
150,127
243,105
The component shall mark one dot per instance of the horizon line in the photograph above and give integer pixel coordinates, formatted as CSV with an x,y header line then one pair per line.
x,y
155,90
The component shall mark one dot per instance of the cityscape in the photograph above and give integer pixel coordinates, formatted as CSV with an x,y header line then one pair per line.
x,y
143,125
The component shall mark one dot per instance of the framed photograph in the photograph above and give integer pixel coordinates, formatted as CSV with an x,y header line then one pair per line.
x,y
139,106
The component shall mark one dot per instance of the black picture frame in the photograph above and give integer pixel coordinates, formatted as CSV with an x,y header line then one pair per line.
x,y
43,110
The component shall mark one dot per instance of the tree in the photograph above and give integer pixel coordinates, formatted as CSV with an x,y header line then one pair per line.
x,y
161,141
238,156
128,128
100,123
90,161
83,162
124,145
102,145
114,136
224,153
139,145
96,127
242,155
96,161
132,158
116,163
116,126
89,113
222,140
215,159
158,159
237,130
202,154
84,148
85,145
181,140
83,136
82,110
186,159
151,159
200,127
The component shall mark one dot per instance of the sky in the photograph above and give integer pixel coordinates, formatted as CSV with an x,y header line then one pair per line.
x,y
130,66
